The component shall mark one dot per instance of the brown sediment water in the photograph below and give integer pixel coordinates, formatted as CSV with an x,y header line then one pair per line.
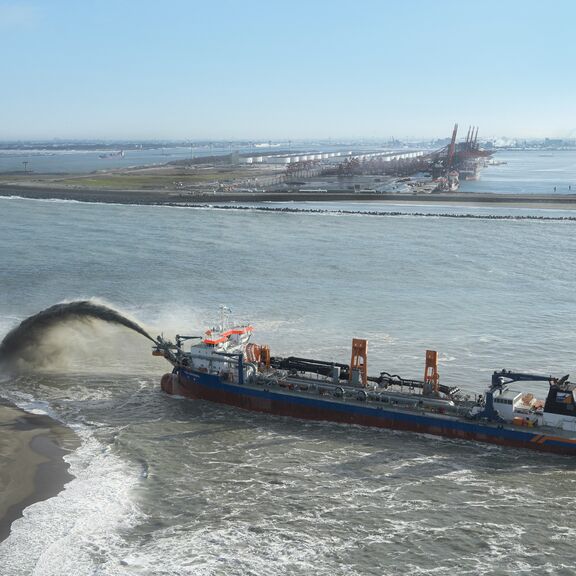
x,y
22,340
32,465
32,446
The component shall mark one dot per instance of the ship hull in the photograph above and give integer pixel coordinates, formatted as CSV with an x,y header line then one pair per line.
x,y
276,401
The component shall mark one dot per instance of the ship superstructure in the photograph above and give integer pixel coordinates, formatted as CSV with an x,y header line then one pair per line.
x,y
223,366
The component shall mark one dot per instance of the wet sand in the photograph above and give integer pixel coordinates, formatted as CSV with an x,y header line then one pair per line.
x,y
32,468
173,197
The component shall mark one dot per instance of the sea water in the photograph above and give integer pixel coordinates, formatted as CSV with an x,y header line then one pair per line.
x,y
166,486
527,172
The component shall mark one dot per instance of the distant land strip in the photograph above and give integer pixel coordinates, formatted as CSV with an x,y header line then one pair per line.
x,y
176,198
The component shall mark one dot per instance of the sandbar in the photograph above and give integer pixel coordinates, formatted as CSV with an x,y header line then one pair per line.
x,y
172,197
32,466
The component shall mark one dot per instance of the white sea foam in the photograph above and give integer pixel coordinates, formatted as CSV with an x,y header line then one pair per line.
x,y
80,203
78,531
239,548
48,200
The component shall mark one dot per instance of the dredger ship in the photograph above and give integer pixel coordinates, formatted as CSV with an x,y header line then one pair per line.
x,y
223,366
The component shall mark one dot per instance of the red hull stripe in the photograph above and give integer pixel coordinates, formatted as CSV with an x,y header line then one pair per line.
x,y
209,387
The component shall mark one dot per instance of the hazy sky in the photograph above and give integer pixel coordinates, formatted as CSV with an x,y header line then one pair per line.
x,y
286,69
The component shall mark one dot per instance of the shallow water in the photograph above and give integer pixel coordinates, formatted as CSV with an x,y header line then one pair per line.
x,y
45,160
166,486
528,172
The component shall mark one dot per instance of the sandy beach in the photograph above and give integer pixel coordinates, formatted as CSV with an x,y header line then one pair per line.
x,y
168,197
32,468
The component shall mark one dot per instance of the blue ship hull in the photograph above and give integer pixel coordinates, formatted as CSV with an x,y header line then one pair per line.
x,y
284,402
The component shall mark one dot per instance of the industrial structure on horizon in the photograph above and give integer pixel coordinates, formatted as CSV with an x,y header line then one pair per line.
x,y
447,166
458,160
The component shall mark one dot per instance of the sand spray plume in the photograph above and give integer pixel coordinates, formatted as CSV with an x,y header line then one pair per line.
x,y
27,341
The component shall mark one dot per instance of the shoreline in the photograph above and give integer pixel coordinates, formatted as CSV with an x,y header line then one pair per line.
x,y
32,465
168,197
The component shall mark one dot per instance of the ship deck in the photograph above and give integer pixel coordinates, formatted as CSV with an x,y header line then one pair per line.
x,y
399,399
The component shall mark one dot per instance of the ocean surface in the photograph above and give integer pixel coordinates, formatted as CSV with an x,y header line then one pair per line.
x,y
168,487
527,172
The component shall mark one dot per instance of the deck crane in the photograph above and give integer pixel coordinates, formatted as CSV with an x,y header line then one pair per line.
x,y
500,381
451,149
475,142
